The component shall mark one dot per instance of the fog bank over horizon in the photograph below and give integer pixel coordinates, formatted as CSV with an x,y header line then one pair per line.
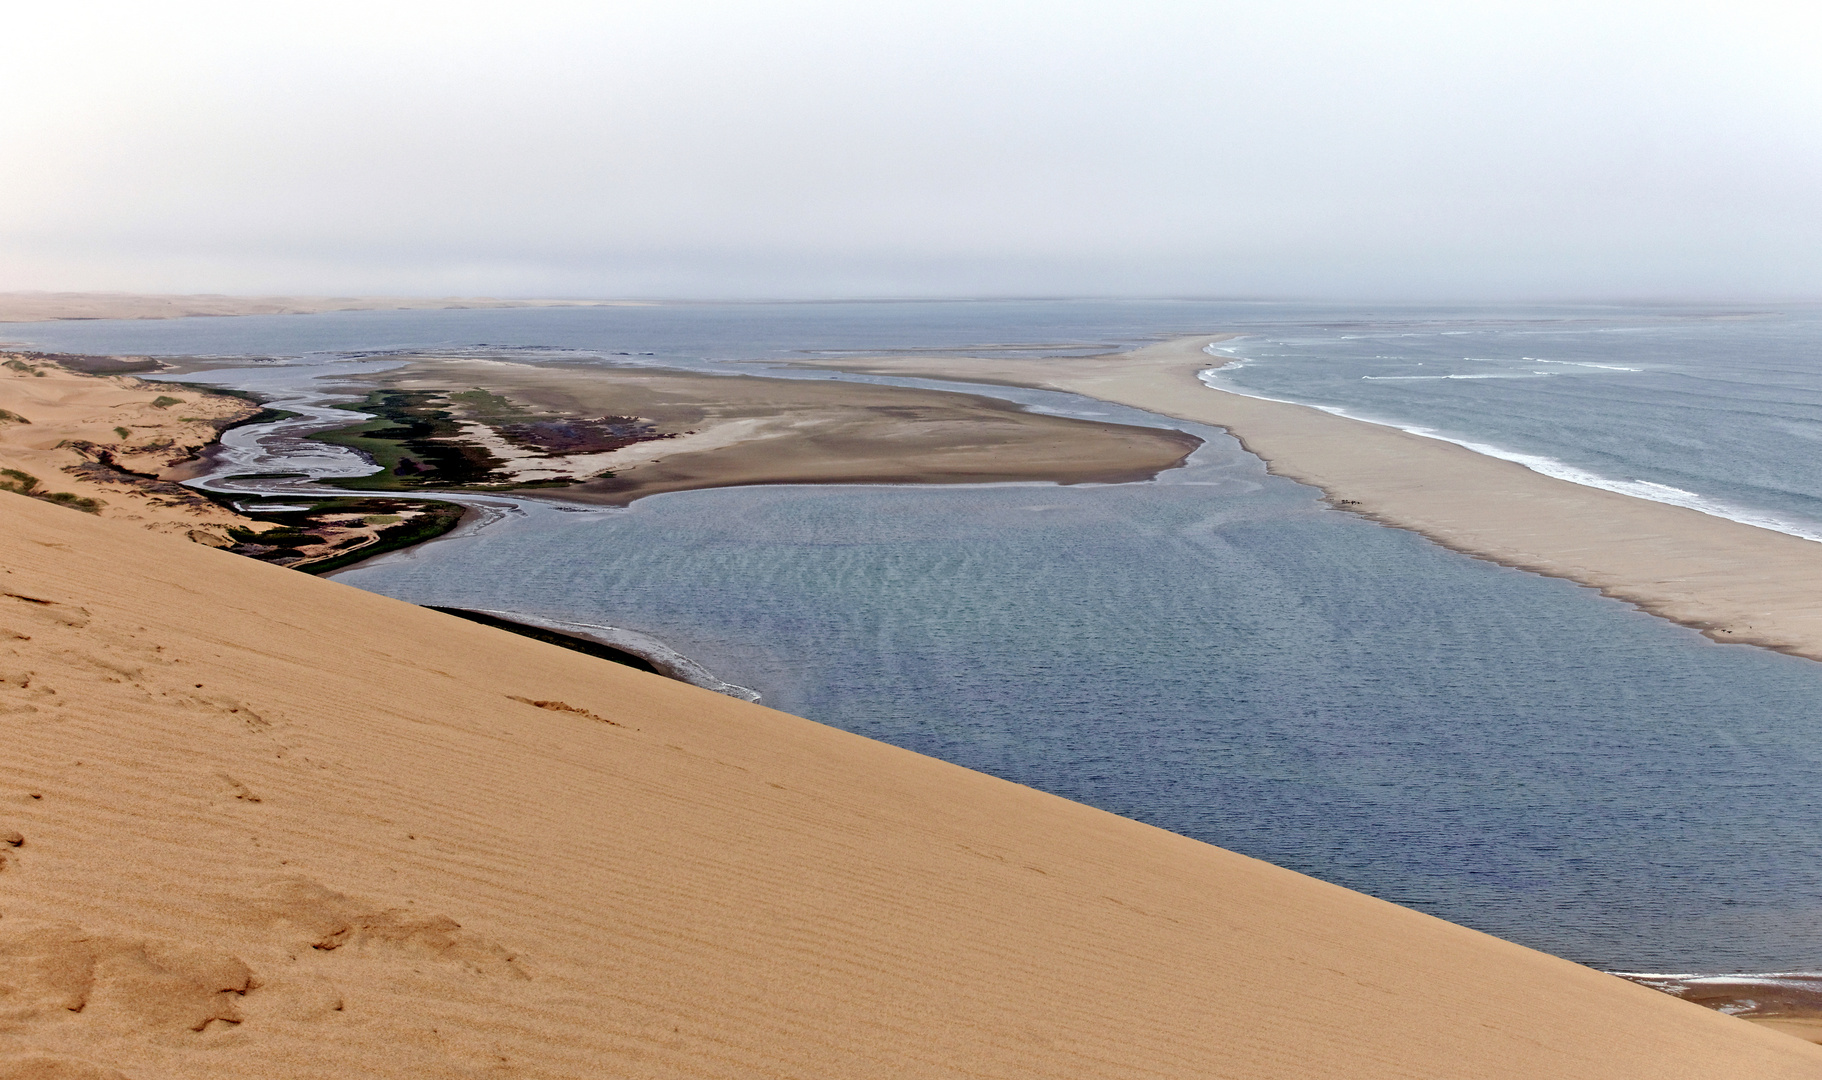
x,y
812,149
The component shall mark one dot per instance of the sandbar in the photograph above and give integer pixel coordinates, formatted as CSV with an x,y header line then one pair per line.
x,y
1736,583
685,430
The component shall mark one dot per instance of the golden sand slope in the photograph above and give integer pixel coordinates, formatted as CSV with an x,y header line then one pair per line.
x,y
117,440
261,824
1736,583
48,306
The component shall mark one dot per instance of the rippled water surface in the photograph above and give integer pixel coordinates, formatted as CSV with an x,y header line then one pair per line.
x,y
1238,663
1217,653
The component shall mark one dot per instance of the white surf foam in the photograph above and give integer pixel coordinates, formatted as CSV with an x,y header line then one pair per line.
x,y
1580,363
1427,378
1551,467
1783,988
1226,352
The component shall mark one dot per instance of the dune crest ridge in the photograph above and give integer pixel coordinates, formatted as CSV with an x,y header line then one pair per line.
x,y
259,823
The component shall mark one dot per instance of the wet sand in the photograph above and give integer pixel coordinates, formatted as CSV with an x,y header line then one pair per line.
x,y
255,823
706,431
1735,583
1790,1003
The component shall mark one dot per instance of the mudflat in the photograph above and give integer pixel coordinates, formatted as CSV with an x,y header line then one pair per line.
x,y
655,430
1736,583
255,823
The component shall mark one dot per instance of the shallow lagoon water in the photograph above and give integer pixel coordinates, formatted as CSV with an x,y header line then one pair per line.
x,y
1216,653
1221,655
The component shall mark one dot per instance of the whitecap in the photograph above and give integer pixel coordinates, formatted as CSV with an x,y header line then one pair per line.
x,y
1648,490
1427,378
1583,363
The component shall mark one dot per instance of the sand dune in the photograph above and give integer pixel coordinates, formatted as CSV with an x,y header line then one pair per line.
x,y
260,824
1736,583
114,444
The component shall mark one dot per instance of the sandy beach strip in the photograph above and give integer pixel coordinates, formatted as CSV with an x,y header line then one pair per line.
x,y
255,823
1736,583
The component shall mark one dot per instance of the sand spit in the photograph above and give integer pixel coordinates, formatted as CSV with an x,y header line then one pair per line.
x,y
256,823
115,445
1736,583
51,306
730,430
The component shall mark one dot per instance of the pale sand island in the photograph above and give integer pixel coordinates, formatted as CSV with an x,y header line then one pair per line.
x,y
1736,583
612,434
256,823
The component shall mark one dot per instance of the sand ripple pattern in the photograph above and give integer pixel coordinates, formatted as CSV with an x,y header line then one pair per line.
x,y
261,824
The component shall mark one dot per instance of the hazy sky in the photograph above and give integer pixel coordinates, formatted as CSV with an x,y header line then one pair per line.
x,y
682,148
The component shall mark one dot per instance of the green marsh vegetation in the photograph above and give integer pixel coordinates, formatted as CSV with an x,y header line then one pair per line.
x,y
410,438
418,443
418,440
20,483
74,502
307,528
23,483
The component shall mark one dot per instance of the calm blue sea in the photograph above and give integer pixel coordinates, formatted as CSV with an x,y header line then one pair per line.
x,y
1216,652
1716,409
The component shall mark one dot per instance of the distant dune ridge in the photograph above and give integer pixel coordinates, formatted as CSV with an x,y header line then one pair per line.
x,y
255,823
50,306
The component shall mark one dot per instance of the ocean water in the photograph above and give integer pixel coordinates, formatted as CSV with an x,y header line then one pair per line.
x,y
1719,410
1217,652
